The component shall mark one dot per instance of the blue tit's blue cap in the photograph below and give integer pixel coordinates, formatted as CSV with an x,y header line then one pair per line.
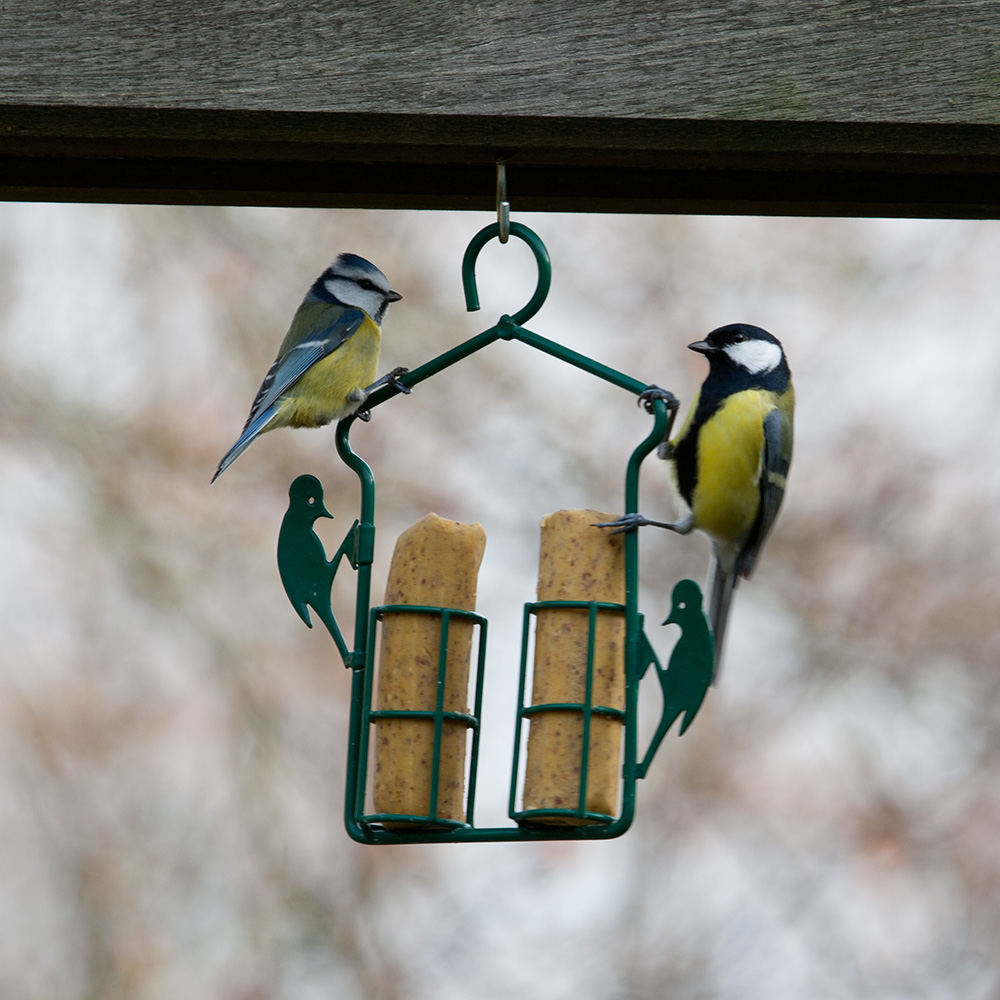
x,y
352,260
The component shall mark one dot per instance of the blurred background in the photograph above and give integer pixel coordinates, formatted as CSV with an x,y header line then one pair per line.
x,y
173,739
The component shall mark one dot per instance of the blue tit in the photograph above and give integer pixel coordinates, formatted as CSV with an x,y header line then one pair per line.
x,y
731,457
327,363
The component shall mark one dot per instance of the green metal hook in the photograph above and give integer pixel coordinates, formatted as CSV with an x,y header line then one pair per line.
x,y
541,258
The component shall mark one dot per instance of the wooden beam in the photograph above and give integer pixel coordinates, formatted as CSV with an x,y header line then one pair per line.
x,y
850,107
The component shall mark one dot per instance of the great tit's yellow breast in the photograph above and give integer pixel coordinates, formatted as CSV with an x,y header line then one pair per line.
x,y
331,388
730,449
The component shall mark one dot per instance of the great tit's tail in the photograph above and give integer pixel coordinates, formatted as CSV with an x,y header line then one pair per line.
x,y
257,426
721,587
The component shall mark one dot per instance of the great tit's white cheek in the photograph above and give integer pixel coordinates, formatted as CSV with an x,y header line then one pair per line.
x,y
756,356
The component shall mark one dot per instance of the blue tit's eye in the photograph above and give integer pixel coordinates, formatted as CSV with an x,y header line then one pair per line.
x,y
367,284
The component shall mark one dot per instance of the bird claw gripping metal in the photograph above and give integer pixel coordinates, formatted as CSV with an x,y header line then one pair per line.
x,y
308,575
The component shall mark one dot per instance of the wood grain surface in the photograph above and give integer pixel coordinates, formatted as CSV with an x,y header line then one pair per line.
x,y
833,108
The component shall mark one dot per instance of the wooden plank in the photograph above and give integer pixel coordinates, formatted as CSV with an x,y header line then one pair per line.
x,y
856,60
844,107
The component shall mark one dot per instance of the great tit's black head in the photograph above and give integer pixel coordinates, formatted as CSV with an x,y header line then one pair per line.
x,y
742,346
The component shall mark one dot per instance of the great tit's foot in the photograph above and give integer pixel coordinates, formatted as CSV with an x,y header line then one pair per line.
x,y
631,522
363,413
627,522
653,392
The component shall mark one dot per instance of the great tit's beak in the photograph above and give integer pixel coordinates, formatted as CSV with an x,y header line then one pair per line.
x,y
702,347
392,296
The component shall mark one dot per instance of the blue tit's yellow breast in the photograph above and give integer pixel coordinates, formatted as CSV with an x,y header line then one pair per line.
x,y
333,387
730,451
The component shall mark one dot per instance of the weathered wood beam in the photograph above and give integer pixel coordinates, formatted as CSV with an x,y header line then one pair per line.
x,y
850,107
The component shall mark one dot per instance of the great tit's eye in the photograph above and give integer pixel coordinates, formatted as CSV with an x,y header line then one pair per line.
x,y
738,338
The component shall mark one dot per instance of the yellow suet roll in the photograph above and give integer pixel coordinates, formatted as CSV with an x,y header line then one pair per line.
x,y
435,563
577,562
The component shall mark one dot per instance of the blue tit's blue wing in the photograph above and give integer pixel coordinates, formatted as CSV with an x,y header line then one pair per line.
x,y
257,422
311,341
774,471
317,330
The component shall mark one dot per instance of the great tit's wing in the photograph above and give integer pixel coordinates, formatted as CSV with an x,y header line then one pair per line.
x,y
773,474
322,328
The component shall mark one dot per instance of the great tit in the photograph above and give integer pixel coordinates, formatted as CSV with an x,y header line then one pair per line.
x,y
327,363
731,457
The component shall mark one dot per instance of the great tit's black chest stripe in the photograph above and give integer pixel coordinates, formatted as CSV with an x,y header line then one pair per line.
x,y
685,455
722,382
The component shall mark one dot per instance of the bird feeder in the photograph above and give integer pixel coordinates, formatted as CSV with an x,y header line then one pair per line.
x,y
574,775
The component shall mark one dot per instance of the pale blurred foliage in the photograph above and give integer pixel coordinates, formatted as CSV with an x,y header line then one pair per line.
x,y
172,739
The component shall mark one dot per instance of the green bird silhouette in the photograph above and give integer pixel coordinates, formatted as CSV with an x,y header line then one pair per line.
x,y
306,573
689,674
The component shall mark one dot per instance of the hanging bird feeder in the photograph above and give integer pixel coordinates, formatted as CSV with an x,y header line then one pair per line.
x,y
575,774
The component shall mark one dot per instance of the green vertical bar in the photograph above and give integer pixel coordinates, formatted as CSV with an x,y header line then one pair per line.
x,y
522,683
633,620
359,656
438,716
477,711
357,740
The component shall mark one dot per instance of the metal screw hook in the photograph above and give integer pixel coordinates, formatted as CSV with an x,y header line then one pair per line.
x,y
503,205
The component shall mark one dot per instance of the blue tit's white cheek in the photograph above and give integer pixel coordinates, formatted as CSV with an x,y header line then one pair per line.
x,y
756,356
352,294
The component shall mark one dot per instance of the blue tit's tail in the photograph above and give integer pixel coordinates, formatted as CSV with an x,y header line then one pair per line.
x,y
721,587
256,426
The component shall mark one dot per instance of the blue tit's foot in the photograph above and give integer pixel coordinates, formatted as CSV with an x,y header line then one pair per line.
x,y
652,393
360,396
632,522
392,379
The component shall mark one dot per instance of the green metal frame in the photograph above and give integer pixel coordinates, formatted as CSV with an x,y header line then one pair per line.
x,y
437,716
587,710
308,577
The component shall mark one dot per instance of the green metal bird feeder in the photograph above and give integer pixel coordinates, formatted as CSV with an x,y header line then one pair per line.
x,y
452,723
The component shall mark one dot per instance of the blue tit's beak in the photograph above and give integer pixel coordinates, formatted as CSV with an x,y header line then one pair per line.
x,y
702,347
392,296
